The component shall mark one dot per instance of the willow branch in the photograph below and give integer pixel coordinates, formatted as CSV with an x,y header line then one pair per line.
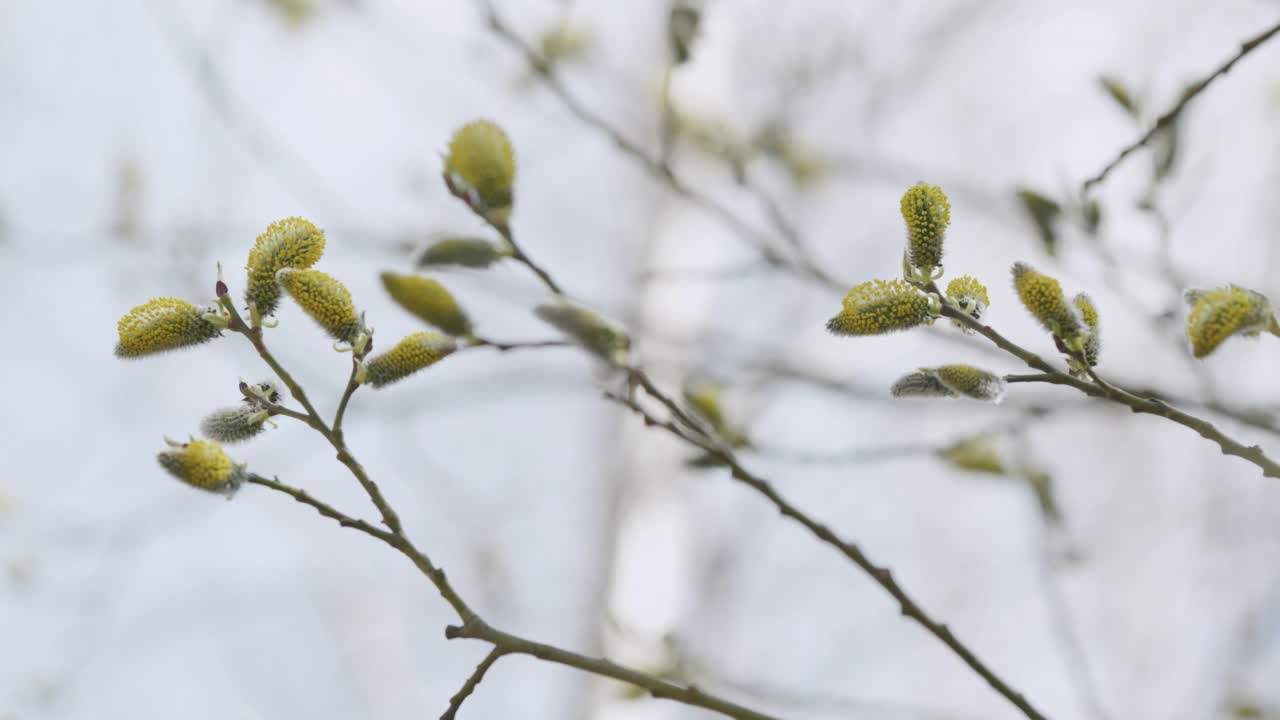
x,y
468,687
352,385
503,347
504,643
690,694
254,335
883,576
1191,93
519,255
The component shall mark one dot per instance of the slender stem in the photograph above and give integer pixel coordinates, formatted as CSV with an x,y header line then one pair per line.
x,y
519,255
468,687
505,643
389,516
350,390
1171,115
881,575
479,342
690,695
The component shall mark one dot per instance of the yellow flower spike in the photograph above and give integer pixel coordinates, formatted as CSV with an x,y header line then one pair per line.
x,y
970,296
1043,297
975,454
481,167
876,307
163,324
289,243
588,330
951,381
927,213
202,464
1089,314
234,424
1222,312
326,300
462,252
411,354
972,382
428,300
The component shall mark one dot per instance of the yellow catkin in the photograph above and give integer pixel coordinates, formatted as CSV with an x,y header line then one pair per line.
x,y
163,324
881,306
951,381
289,243
927,213
1043,297
588,330
1222,312
429,301
1089,314
972,382
411,354
325,299
481,161
463,252
203,464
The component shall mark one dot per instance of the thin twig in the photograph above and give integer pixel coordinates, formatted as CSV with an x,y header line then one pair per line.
x,y
473,627
1191,93
519,255
1059,608
468,687
689,694
883,576
500,346
350,390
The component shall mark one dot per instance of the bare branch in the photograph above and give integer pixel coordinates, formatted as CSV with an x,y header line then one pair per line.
x,y
468,687
881,575
1172,113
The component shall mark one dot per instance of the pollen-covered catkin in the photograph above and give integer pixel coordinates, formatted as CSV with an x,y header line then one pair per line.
x,y
203,464
1222,312
1043,297
429,301
970,296
325,299
927,213
413,353
881,306
163,324
289,243
951,381
972,382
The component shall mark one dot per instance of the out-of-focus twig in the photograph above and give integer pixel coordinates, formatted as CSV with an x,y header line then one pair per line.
x,y
1190,94
468,687
657,165
238,117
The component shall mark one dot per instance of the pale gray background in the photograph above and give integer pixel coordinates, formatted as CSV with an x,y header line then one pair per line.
x,y
142,141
